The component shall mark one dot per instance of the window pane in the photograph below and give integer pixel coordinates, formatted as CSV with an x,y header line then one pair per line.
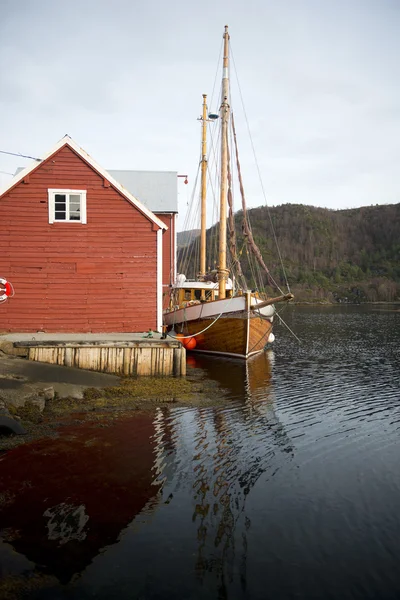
x,y
60,207
74,207
74,199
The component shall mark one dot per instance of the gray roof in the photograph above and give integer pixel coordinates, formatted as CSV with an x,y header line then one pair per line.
x,y
157,190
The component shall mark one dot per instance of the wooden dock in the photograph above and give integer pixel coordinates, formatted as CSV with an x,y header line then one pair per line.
x,y
126,358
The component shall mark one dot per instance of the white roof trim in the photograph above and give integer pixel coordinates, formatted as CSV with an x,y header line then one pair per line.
x,y
68,141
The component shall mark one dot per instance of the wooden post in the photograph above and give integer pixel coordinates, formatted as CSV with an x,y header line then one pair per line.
x,y
224,112
285,298
203,193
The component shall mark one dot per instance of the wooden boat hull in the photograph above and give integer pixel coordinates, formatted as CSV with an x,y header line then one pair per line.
x,y
228,326
231,335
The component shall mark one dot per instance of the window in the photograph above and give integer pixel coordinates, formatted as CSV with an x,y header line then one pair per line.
x,y
67,205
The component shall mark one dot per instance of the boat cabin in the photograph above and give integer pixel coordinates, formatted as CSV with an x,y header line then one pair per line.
x,y
192,291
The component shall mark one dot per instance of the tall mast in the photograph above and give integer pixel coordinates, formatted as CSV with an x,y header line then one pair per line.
x,y
203,189
224,113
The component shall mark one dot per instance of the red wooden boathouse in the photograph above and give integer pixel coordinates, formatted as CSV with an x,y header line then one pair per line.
x,y
82,252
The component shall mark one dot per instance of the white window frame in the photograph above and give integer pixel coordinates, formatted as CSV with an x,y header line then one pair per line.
x,y
52,206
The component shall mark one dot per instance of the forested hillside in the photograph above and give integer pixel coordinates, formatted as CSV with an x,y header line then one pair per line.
x,y
332,255
185,237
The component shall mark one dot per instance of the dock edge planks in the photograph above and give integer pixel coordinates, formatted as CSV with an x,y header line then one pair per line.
x,y
158,359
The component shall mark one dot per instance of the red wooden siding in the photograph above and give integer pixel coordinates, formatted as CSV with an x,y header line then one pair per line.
x,y
168,247
73,277
168,252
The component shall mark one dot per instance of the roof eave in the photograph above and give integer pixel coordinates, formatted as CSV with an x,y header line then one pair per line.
x,y
68,141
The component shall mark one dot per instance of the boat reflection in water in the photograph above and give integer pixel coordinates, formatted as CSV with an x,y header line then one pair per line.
x,y
225,452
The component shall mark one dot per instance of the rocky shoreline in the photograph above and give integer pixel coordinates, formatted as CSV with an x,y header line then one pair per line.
x,y
36,399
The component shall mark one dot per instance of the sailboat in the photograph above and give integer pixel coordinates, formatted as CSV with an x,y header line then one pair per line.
x,y
213,313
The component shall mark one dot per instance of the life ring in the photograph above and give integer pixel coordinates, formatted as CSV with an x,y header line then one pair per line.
x,y
6,291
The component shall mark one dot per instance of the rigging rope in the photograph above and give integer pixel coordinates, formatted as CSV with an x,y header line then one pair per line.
x,y
205,329
247,231
287,327
188,226
217,71
259,174
212,164
236,267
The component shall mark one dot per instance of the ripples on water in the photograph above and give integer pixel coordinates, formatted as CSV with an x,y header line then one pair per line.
x,y
291,490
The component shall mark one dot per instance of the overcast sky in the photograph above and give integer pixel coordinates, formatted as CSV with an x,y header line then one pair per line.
x,y
319,78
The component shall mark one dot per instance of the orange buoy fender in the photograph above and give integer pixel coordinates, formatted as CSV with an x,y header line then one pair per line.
x,y
189,343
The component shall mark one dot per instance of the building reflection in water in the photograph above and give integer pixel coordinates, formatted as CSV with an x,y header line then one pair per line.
x,y
65,499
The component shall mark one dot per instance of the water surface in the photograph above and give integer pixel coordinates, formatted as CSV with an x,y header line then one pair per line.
x,y
290,490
